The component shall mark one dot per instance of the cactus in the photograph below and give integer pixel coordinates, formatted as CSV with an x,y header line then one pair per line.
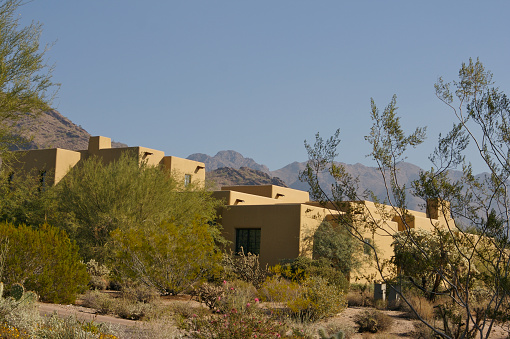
x,y
339,335
30,297
17,291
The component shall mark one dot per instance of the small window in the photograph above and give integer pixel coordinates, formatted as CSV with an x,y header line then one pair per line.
x,y
367,246
248,240
187,179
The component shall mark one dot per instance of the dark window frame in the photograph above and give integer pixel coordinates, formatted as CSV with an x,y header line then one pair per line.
x,y
248,240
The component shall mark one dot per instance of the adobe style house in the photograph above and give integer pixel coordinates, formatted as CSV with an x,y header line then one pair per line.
x,y
53,164
278,223
274,222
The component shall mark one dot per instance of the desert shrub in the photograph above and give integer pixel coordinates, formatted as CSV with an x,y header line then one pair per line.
x,y
169,257
373,321
244,267
11,332
422,306
140,292
208,293
101,302
133,310
311,300
227,296
123,307
301,268
44,260
360,295
72,328
127,195
19,316
317,300
236,324
422,331
99,275
279,289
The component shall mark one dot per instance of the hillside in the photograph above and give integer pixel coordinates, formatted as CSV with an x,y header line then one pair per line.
x,y
227,176
369,177
51,129
230,158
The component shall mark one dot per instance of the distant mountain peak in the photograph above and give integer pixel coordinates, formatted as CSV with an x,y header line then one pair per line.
x,y
228,176
228,158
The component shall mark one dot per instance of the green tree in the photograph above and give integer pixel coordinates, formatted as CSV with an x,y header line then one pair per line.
x,y
169,257
25,78
336,245
98,198
44,260
472,269
24,200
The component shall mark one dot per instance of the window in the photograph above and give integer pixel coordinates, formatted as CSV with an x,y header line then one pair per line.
x,y
187,179
248,240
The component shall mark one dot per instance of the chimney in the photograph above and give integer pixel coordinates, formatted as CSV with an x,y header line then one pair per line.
x,y
98,143
438,208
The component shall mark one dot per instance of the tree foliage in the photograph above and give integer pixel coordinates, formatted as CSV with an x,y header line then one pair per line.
x,y
25,78
169,257
462,268
98,198
44,260
336,245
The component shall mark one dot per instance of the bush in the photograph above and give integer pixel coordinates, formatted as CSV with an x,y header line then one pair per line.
x,y
141,293
99,275
312,300
244,267
373,321
228,296
301,268
45,260
168,256
125,308
235,324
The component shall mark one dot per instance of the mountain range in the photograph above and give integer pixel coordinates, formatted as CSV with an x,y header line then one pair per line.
x,y
52,129
369,177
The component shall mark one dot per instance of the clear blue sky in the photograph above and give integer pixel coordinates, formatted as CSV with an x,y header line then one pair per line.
x,y
260,77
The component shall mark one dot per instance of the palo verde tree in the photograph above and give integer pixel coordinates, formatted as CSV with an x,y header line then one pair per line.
x,y
463,268
97,198
25,78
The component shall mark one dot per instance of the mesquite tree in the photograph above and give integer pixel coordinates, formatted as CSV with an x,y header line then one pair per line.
x,y
463,265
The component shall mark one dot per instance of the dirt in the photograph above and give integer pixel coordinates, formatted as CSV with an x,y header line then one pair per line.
x,y
402,326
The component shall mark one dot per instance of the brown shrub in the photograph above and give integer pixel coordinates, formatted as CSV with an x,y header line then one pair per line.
x,y
373,321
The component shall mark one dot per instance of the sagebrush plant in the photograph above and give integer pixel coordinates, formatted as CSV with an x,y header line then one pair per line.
x,y
56,327
373,321
248,322
21,319
124,307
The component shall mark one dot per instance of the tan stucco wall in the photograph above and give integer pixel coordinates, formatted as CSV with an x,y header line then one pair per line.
x,y
282,228
239,198
283,194
180,167
56,162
